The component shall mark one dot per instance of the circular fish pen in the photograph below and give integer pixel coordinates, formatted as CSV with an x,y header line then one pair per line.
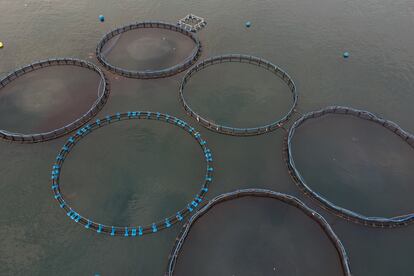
x,y
103,93
258,193
110,40
129,231
241,59
349,215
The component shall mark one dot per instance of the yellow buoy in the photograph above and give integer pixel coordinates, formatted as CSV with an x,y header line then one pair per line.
x,y
1,45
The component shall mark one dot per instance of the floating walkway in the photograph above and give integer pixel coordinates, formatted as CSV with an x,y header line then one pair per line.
x,y
149,74
103,94
323,202
242,59
288,199
129,231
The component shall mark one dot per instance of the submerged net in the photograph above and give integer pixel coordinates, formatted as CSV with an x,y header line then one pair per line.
x,y
325,203
148,50
129,231
238,131
58,114
237,234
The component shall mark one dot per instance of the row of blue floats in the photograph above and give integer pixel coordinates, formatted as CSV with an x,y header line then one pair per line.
x,y
140,230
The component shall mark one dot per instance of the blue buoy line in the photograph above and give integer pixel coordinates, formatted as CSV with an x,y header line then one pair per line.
x,y
101,18
129,231
248,24
346,54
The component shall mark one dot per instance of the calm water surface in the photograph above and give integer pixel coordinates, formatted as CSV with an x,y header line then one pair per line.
x,y
306,38
146,49
271,237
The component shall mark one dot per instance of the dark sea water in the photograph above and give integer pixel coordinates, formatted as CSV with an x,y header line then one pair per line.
x,y
138,172
257,236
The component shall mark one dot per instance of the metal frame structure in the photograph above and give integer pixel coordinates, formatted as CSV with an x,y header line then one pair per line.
x,y
192,23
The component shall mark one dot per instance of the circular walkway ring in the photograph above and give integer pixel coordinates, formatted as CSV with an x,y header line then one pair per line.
x,y
129,231
103,94
323,202
288,199
242,59
149,74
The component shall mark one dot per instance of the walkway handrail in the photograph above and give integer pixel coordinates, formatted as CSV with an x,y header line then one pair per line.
x,y
103,94
349,215
149,74
288,199
242,59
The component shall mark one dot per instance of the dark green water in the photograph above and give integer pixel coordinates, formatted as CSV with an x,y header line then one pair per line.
x,y
306,38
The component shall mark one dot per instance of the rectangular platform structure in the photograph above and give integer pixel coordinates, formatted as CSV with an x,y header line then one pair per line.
x,y
192,23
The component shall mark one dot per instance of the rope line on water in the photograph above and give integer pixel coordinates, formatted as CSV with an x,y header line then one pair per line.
x,y
242,59
349,215
130,231
103,94
149,74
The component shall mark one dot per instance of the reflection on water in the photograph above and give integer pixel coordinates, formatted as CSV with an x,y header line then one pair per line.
x,y
306,38
238,95
48,98
141,177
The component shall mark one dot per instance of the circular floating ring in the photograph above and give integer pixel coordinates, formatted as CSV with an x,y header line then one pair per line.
x,y
129,231
242,59
326,204
288,199
45,136
149,74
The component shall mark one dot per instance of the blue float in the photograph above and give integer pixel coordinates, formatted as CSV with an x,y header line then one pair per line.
x,y
101,18
346,55
248,24
179,216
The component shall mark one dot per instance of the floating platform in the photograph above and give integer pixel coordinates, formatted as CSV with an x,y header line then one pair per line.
x,y
192,23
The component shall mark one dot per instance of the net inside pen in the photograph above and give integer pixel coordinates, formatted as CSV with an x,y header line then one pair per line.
x,y
249,95
257,232
148,50
47,99
366,159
